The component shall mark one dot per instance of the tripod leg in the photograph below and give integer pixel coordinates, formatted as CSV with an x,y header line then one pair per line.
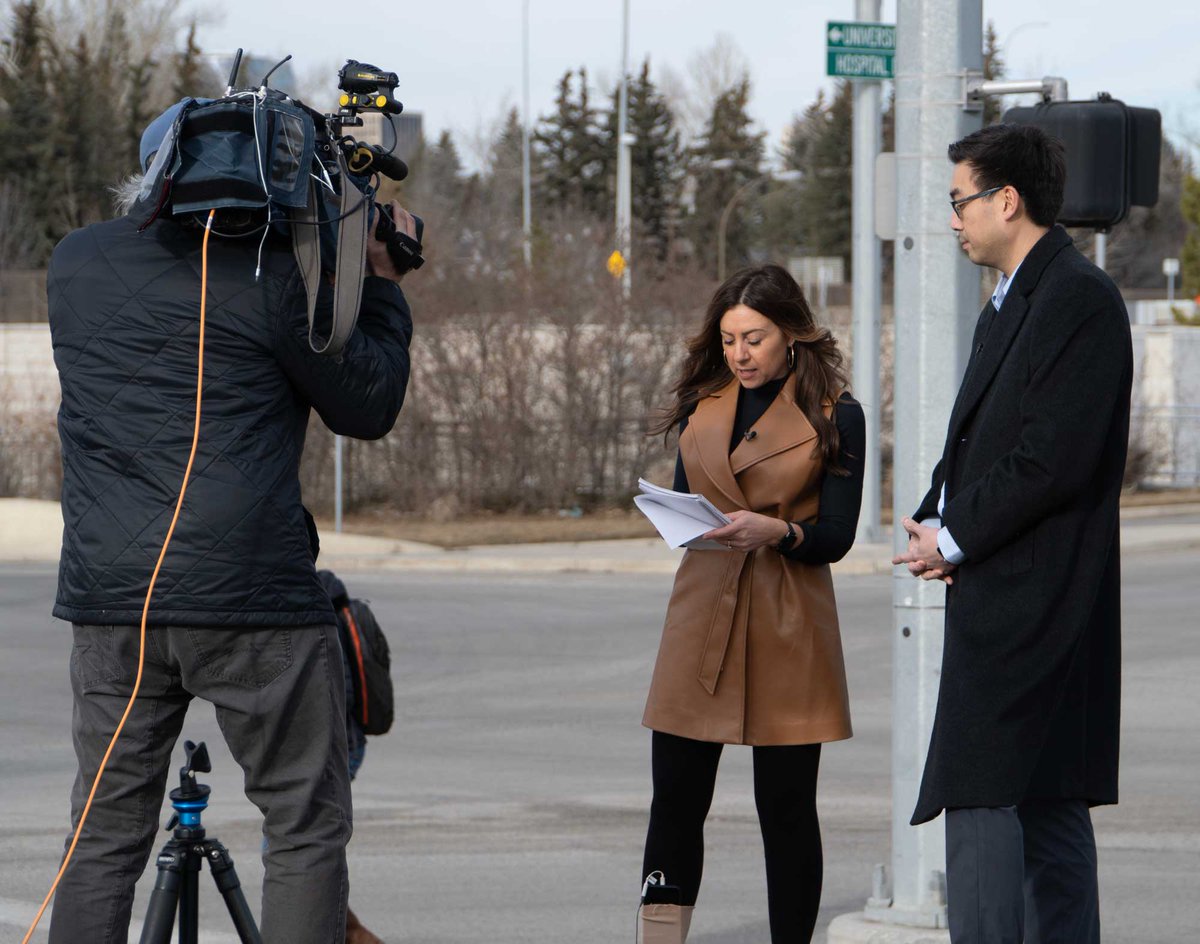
x,y
160,912
230,887
189,899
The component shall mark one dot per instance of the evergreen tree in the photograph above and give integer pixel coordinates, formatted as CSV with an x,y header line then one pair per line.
x,y
77,137
191,75
727,137
573,152
819,145
26,163
505,166
505,154
493,207
114,65
1190,255
993,68
444,171
96,135
657,164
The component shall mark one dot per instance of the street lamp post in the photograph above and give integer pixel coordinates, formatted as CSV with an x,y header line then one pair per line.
x,y
526,197
624,207
338,482
719,164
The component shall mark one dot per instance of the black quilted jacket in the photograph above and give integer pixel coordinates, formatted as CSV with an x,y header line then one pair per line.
x,y
124,317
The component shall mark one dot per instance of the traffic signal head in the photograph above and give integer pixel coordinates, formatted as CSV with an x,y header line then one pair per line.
x,y
1112,156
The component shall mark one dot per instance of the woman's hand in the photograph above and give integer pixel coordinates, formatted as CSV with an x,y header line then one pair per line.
x,y
748,531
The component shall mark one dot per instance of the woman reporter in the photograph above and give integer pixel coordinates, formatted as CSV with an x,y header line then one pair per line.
x,y
751,651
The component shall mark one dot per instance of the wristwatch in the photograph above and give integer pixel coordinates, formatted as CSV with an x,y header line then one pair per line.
x,y
786,542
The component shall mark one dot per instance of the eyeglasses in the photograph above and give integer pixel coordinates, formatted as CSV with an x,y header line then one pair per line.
x,y
957,205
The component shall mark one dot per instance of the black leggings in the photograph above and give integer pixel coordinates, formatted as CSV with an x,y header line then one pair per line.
x,y
785,792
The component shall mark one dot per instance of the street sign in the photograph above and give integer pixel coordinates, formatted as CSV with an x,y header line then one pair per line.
x,y
1170,267
860,50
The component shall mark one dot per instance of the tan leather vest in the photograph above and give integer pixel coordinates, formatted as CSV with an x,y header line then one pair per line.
x,y
751,652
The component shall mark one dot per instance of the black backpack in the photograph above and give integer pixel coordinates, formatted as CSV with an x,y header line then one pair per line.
x,y
367,655
370,663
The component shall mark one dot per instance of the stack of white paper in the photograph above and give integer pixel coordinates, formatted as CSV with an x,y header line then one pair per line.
x,y
680,517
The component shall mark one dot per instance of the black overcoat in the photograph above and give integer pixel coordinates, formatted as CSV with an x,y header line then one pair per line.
x,y
1029,704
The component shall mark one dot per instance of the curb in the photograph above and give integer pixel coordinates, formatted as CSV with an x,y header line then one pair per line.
x,y
30,532
470,563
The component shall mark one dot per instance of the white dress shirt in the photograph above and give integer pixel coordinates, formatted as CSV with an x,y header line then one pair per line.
x,y
946,543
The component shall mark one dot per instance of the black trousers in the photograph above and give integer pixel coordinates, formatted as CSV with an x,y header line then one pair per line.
x,y
1022,874
785,793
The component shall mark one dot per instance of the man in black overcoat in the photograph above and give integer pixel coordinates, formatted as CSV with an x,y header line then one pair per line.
x,y
1021,523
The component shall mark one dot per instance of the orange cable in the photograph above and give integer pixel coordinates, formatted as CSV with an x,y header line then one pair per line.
x,y
137,682
362,675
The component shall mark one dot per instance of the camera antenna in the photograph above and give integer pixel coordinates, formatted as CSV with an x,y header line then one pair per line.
x,y
274,67
237,64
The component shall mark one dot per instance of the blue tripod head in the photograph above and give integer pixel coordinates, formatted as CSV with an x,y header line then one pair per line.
x,y
190,798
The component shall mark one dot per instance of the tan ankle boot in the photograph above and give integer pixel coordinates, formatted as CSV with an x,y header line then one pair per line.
x,y
664,924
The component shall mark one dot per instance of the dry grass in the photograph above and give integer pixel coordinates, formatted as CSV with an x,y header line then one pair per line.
x,y
611,524
496,529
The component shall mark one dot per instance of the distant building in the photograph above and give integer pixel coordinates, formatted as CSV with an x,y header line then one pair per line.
x,y
407,136
816,273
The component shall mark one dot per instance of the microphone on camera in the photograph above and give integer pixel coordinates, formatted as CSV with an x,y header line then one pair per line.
x,y
371,158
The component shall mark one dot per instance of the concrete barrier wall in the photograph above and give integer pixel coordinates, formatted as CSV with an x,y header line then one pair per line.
x,y
23,296
1166,394
1166,402
27,377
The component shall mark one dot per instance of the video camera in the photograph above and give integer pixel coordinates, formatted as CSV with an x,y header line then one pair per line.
x,y
370,89
257,150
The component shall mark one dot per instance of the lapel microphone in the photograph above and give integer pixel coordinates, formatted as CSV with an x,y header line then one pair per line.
x,y
749,434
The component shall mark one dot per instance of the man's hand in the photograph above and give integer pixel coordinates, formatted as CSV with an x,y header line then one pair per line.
x,y
923,557
378,261
748,531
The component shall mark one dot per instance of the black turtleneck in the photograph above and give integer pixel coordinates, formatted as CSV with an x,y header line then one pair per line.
x,y
752,404
829,537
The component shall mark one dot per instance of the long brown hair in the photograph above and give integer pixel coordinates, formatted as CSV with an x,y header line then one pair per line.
x,y
772,292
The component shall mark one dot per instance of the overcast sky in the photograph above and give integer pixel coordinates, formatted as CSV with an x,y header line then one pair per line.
x,y
459,61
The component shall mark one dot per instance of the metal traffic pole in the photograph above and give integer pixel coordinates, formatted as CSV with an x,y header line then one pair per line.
x,y
937,304
939,45
867,263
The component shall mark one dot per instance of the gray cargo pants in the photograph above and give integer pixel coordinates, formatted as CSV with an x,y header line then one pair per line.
x,y
280,703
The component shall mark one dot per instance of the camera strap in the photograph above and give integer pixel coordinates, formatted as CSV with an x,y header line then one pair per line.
x,y
349,268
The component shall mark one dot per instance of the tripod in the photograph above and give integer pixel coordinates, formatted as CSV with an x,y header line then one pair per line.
x,y
177,885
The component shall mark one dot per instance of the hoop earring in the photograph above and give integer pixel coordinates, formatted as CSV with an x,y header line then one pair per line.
x,y
791,356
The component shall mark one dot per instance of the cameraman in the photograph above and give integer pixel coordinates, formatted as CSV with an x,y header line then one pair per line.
x,y
238,616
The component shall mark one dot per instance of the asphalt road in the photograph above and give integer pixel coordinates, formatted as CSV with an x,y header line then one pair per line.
x,y
509,803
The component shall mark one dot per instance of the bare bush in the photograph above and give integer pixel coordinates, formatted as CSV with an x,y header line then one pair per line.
x,y
529,391
30,459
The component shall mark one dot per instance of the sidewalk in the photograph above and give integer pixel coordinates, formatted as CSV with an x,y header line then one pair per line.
x,y
32,531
